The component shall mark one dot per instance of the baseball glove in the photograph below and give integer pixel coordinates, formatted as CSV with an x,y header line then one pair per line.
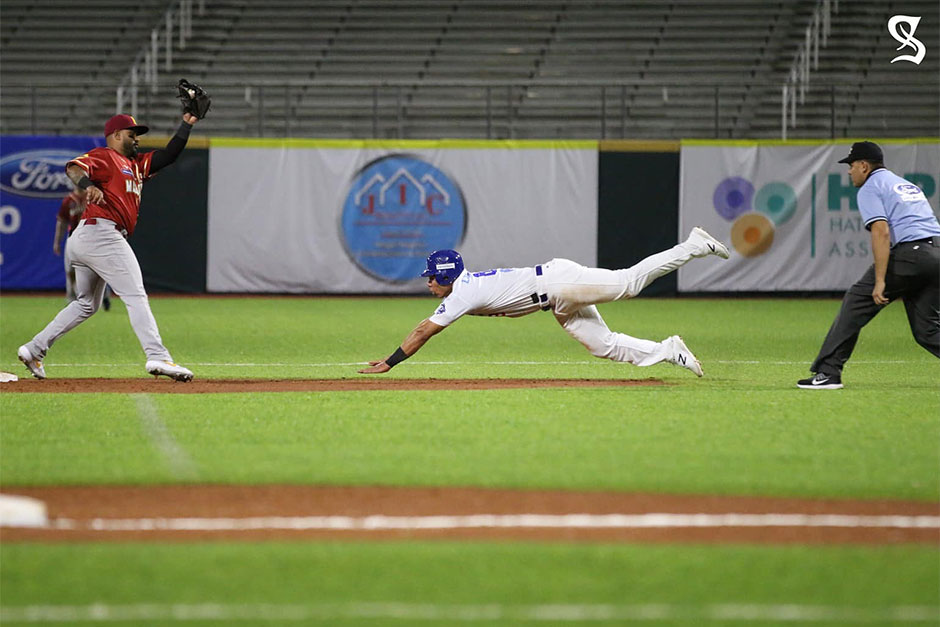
x,y
195,99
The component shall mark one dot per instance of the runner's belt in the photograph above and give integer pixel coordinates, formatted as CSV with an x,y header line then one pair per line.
x,y
540,299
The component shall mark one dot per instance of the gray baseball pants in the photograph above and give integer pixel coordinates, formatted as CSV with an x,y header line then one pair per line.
x,y
101,256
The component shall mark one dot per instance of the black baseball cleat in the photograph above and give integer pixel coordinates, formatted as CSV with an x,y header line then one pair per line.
x,y
106,302
821,381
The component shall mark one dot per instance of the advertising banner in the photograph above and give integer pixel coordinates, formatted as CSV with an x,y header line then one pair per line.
x,y
32,185
788,211
309,216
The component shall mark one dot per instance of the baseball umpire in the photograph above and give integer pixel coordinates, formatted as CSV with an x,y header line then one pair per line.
x,y
905,242
112,178
564,287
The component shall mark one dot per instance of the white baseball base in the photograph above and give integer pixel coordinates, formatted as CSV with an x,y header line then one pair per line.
x,y
22,511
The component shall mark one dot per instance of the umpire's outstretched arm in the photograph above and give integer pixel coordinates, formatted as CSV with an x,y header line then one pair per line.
x,y
415,340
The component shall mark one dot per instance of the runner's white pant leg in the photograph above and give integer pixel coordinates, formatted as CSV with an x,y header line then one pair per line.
x,y
113,259
638,276
573,286
588,327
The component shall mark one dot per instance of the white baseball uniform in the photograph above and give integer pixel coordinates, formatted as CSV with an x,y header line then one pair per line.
x,y
571,292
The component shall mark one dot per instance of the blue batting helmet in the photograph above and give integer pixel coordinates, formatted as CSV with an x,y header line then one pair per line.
x,y
444,265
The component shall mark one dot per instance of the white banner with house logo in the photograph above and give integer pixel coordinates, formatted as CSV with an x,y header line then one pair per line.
x,y
787,211
308,216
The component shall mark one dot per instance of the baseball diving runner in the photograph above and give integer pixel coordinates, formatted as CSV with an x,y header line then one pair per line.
x,y
112,178
567,289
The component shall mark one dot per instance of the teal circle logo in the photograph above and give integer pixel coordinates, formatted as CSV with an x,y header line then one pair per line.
x,y
754,216
777,201
398,209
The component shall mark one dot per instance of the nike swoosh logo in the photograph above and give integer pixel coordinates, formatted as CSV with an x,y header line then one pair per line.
x,y
711,247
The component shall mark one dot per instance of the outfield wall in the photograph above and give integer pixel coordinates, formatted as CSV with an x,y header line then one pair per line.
x,y
788,211
316,216
351,217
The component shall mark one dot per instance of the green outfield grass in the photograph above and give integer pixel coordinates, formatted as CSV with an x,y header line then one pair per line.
x,y
684,586
742,429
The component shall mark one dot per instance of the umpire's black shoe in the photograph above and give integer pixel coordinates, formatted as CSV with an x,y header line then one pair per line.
x,y
821,381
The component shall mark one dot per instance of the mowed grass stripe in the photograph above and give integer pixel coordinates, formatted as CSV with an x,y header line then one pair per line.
x,y
180,464
561,612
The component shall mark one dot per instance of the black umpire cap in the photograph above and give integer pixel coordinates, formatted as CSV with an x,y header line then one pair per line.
x,y
867,151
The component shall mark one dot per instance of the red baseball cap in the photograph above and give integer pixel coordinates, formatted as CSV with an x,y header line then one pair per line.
x,y
122,121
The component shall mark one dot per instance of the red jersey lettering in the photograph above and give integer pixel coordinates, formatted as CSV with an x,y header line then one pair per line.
x,y
120,178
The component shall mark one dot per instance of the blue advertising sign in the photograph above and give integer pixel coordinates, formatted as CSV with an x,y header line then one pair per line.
x,y
32,185
398,209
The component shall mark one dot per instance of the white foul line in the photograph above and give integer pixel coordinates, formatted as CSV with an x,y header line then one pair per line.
x,y
497,521
348,364
487,612
180,463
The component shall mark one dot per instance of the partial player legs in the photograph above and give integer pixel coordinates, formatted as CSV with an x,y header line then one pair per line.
x,y
912,274
89,291
573,286
923,314
638,276
69,275
858,308
698,244
118,267
588,327
923,302
70,294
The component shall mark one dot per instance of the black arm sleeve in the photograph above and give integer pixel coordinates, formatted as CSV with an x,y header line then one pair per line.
x,y
166,156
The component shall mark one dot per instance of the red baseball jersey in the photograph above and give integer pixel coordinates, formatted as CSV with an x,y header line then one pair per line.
x,y
71,211
121,179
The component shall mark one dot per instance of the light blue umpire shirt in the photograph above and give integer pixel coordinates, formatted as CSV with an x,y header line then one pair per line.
x,y
887,196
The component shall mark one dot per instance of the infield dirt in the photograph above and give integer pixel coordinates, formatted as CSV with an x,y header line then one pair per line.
x,y
84,504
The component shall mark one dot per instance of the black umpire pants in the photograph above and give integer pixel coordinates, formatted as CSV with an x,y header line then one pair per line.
x,y
914,275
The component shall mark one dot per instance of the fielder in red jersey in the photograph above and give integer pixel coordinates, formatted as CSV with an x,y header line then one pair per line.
x,y
120,179
111,179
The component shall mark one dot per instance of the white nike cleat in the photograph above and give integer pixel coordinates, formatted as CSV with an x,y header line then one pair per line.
x,y
169,369
32,364
682,356
706,245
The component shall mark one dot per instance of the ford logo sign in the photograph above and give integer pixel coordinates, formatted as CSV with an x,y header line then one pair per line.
x,y
36,173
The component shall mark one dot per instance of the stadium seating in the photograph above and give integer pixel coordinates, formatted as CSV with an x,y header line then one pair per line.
x,y
62,60
473,68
